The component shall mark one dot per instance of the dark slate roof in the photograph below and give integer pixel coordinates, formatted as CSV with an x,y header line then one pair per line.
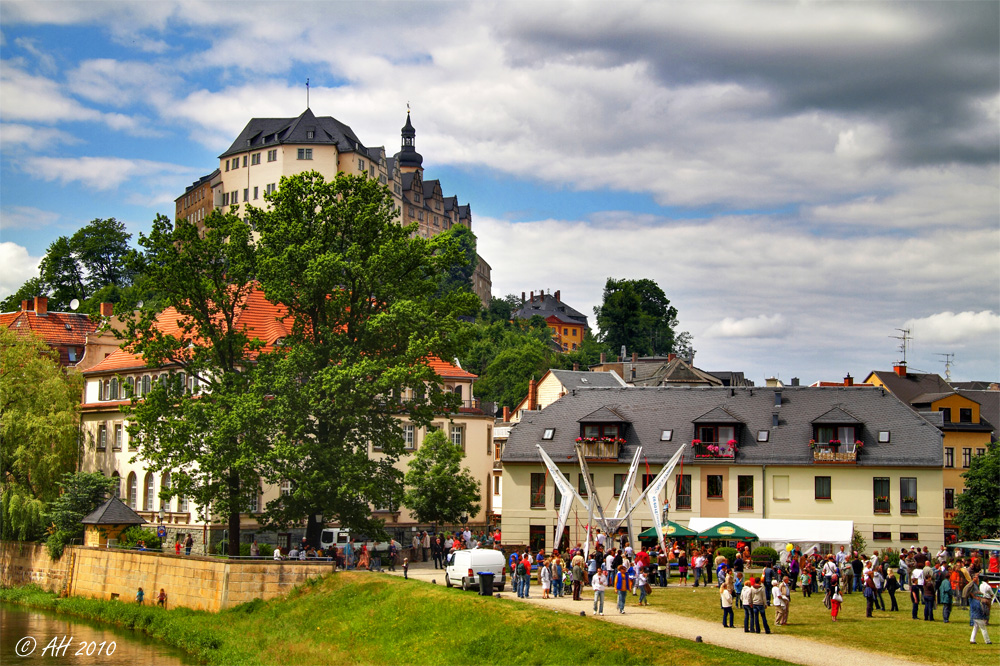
x,y
113,512
546,305
572,379
835,416
928,398
717,415
268,132
650,411
603,415
989,407
913,384
731,377
974,386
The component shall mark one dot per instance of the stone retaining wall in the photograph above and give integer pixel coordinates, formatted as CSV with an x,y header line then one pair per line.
x,y
203,583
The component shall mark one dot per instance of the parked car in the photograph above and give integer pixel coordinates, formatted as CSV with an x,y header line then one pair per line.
x,y
465,565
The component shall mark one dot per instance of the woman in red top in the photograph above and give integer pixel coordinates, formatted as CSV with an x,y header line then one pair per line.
x,y
994,563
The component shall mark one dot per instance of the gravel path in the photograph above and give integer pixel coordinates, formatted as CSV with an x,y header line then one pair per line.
x,y
788,648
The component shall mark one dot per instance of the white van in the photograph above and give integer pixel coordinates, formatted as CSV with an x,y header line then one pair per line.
x,y
333,536
465,566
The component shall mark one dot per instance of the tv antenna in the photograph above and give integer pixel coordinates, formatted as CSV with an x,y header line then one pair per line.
x,y
307,92
904,339
947,366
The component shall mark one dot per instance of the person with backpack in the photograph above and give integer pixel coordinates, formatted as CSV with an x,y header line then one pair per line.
x,y
524,575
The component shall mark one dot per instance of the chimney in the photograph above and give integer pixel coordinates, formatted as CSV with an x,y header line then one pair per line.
x,y
576,367
532,297
671,357
557,294
603,358
506,414
107,309
635,357
41,305
24,305
848,380
900,368
795,381
532,394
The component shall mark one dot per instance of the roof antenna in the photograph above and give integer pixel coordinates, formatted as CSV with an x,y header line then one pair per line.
x,y
905,338
947,366
307,92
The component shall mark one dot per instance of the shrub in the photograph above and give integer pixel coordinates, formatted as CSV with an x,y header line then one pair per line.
x,y
222,548
728,553
131,537
56,542
892,559
763,555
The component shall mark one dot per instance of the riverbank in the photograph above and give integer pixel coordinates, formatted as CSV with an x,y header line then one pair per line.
x,y
367,618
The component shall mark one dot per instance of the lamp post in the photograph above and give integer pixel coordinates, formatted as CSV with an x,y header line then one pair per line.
x,y
463,518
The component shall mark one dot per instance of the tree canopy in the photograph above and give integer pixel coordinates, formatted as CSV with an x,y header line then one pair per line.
x,y
39,418
636,314
438,488
979,505
206,425
362,293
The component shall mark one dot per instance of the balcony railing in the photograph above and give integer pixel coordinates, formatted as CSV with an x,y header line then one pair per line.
x,y
600,449
881,506
746,504
826,456
714,452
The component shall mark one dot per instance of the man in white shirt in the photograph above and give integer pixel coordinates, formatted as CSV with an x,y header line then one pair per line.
x,y
277,553
841,558
942,555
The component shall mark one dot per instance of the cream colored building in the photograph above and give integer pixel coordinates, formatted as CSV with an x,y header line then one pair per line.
x,y
796,456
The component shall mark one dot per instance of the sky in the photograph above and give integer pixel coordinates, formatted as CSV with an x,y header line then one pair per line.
x,y
802,179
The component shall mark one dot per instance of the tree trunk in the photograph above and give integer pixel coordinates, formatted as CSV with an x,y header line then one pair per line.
x,y
234,515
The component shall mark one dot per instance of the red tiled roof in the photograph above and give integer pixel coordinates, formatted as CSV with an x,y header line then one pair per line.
x,y
449,370
259,318
59,329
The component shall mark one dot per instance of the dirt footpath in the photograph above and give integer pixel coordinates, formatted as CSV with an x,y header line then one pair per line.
x,y
776,646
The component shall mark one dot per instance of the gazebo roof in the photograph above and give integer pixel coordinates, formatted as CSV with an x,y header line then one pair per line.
x,y
113,512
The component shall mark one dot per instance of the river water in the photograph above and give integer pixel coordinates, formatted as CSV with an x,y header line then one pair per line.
x,y
26,633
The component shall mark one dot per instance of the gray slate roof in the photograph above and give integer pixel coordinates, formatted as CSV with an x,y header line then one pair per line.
x,y
914,384
913,441
989,407
546,305
113,512
572,379
268,132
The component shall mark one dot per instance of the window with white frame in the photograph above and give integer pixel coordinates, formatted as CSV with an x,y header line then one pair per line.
x,y
182,504
164,485
119,436
458,436
150,492
286,488
409,437
102,437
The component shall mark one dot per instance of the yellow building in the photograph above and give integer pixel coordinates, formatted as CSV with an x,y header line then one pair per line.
x,y
568,326
960,419
829,453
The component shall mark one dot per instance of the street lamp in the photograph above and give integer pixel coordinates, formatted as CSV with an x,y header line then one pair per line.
x,y
463,518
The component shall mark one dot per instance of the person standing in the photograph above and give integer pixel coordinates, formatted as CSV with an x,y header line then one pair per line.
x,y
577,577
928,590
525,572
161,601
622,586
641,583
698,562
835,602
891,586
682,568
662,562
746,600
140,596
869,586
944,598
760,607
726,599
545,577
254,550
857,567
785,593
600,584
776,602
916,590
188,544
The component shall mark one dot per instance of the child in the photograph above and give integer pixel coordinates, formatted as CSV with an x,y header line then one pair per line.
x,y
139,596
727,606
640,582
177,546
406,567
738,589
835,599
161,599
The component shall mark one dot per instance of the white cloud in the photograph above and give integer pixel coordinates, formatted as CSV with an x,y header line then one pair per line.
x,y
761,326
18,134
951,327
101,173
26,217
18,267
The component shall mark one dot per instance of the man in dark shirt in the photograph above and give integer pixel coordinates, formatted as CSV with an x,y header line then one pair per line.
x,y
857,567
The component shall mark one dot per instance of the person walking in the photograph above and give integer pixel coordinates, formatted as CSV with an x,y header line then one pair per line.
x,y
979,615
698,562
600,584
140,596
622,586
682,568
161,601
891,585
641,583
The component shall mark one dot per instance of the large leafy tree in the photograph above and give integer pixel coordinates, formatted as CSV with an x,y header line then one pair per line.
x,y
438,488
459,275
81,493
39,417
979,505
213,442
636,314
363,296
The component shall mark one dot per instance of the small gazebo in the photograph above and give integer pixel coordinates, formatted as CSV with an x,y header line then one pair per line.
x,y
108,521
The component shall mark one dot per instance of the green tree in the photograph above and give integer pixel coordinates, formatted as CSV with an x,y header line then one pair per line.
x,y
458,276
362,295
62,274
33,287
500,309
214,443
438,488
39,418
636,314
979,505
81,493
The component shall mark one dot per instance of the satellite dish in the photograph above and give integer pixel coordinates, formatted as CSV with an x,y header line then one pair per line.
x,y
139,305
74,304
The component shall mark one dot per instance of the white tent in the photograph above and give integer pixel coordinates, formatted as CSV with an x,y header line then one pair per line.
x,y
779,531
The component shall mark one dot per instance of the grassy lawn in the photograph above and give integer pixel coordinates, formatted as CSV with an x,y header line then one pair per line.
x,y
361,618
893,633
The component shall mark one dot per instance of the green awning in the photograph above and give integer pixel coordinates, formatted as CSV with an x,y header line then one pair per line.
x,y
726,530
670,529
